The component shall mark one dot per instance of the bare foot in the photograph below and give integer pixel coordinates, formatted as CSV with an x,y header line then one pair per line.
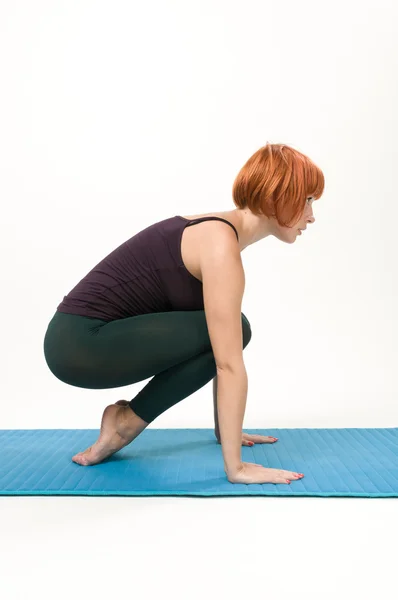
x,y
119,427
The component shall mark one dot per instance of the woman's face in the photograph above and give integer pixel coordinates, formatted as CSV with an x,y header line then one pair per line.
x,y
290,234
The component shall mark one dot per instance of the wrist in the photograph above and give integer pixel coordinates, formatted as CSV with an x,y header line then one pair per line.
x,y
231,471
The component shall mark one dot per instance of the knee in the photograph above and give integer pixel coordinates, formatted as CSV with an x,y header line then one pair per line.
x,y
246,331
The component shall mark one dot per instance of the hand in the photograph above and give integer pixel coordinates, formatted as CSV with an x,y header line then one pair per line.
x,y
253,473
249,439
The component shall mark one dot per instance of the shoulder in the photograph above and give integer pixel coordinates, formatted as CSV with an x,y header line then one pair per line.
x,y
217,244
216,230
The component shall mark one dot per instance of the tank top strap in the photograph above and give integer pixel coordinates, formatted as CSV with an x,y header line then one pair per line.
x,y
193,221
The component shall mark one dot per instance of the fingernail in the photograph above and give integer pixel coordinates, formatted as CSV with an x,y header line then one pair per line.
x,y
251,443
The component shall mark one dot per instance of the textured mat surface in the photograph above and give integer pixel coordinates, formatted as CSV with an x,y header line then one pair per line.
x,y
189,462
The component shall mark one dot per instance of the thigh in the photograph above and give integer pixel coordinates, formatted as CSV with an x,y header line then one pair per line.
x,y
99,354
145,345
148,344
126,351
171,337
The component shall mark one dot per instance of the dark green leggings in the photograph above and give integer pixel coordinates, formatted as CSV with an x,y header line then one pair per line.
x,y
173,346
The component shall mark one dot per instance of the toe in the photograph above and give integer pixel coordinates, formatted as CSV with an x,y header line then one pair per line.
x,y
82,458
78,458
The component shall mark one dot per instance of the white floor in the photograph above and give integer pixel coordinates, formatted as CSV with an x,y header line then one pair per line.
x,y
76,548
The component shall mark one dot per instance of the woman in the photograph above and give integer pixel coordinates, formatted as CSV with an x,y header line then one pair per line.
x,y
167,303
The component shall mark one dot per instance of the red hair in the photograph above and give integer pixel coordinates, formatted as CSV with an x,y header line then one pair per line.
x,y
276,181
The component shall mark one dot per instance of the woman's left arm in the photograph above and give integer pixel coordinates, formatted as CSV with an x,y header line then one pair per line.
x,y
247,439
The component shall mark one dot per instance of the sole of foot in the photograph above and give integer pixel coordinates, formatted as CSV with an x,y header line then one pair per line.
x,y
119,427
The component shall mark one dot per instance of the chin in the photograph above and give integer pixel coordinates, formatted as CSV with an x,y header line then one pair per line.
x,y
288,235
290,239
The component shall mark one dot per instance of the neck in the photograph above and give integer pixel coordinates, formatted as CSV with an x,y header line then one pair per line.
x,y
251,228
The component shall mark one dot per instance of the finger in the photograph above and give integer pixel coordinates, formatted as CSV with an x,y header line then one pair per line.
x,y
291,474
263,439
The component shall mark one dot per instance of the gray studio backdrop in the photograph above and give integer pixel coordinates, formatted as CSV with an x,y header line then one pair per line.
x,y
117,115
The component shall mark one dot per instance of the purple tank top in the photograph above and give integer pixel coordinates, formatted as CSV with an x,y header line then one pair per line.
x,y
145,274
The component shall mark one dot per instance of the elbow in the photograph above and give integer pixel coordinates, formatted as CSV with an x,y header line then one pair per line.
x,y
231,367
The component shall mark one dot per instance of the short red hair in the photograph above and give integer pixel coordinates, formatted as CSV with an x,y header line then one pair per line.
x,y
276,181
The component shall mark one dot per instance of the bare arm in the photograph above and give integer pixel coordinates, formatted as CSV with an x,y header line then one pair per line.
x,y
232,394
223,286
216,424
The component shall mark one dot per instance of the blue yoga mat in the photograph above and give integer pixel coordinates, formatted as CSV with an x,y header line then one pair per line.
x,y
189,462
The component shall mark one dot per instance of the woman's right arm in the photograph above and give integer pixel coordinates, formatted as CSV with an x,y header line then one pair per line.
x,y
223,281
